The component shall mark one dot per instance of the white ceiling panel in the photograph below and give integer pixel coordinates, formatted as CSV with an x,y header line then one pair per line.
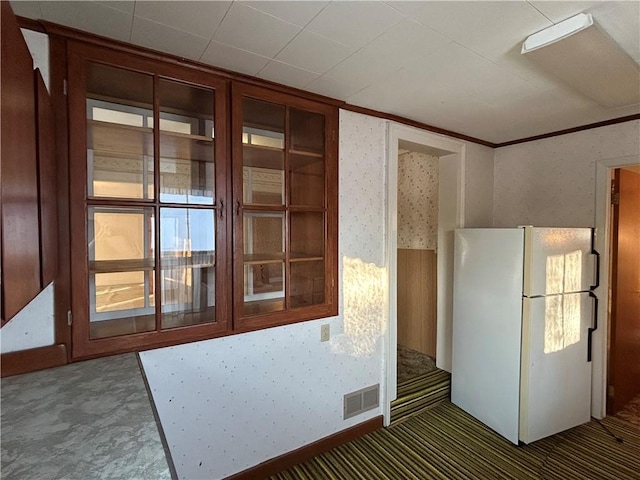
x,y
558,11
232,58
255,31
171,40
287,74
476,24
331,88
299,13
27,9
126,6
354,23
403,45
452,64
314,52
90,16
197,18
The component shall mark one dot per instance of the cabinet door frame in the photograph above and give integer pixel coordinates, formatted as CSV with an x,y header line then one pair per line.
x,y
329,308
79,56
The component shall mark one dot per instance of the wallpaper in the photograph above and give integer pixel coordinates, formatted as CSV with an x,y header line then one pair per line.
x,y
551,182
417,201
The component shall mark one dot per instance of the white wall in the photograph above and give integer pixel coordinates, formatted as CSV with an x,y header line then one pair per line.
x,y
228,404
32,326
478,174
551,182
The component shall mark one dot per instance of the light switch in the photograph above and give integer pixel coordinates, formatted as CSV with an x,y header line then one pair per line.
x,y
325,332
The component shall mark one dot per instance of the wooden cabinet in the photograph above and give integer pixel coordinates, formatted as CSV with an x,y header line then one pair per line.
x,y
148,195
285,224
20,266
181,229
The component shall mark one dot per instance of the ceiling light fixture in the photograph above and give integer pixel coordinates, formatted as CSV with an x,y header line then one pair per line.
x,y
582,55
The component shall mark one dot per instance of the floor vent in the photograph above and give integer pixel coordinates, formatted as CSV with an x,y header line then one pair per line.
x,y
361,401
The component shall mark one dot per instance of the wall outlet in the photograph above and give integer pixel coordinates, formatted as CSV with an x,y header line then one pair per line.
x,y
325,332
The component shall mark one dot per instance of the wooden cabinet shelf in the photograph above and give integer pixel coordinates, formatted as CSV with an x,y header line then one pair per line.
x,y
265,258
133,265
196,260
260,258
263,157
125,265
113,138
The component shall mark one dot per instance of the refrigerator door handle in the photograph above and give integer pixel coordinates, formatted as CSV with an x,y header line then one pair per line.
x,y
597,255
595,325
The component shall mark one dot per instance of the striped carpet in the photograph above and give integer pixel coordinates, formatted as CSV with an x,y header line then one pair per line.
x,y
446,443
419,394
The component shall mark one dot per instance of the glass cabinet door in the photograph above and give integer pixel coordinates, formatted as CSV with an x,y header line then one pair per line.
x,y
283,211
152,202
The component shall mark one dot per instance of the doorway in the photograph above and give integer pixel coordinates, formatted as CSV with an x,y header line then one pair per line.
x,y
417,263
623,373
449,155
603,222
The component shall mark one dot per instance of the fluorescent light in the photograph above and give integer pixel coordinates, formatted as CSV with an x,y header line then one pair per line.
x,y
557,32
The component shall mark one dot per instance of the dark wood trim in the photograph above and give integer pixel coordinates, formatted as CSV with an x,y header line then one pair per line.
x,y
413,123
30,24
302,454
62,281
566,131
25,361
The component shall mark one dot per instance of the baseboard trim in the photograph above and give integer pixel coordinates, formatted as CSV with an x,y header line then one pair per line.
x,y
302,454
25,361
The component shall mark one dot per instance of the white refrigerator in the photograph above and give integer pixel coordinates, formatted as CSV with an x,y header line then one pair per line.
x,y
523,315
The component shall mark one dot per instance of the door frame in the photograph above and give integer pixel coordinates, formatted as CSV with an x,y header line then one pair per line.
x,y
600,356
451,154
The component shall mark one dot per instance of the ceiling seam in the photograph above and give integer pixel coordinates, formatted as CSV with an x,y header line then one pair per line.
x,y
302,28
215,31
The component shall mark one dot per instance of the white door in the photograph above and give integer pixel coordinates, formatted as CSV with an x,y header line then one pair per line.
x,y
487,310
556,376
557,260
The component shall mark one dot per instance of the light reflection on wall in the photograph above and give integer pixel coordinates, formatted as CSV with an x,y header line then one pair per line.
x,y
364,288
562,310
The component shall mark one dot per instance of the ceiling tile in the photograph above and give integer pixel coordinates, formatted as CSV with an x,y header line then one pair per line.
x,y
354,23
474,24
232,58
91,17
330,88
313,52
166,39
26,9
126,6
287,75
255,31
558,11
622,23
395,49
299,13
197,18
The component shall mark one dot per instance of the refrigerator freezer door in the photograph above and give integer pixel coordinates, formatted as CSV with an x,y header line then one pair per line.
x,y
487,313
556,377
557,260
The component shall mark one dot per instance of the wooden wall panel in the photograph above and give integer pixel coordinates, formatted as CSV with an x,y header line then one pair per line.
x,y
417,297
20,235
47,181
